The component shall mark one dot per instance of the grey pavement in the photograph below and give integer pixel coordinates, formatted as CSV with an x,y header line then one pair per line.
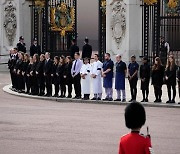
x,y
38,126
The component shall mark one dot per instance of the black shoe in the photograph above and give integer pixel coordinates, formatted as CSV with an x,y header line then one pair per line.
x,y
55,95
110,99
98,99
78,97
130,100
173,101
19,91
168,102
159,100
69,96
146,100
61,96
106,99
85,98
117,100
124,100
93,98
156,101
143,100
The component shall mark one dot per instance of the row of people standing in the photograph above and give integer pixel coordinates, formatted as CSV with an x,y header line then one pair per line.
x,y
37,73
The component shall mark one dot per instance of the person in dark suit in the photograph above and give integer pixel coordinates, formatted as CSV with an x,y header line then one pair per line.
x,y
74,48
55,79
47,73
87,49
34,89
21,46
40,76
13,60
145,78
11,65
170,78
133,77
35,48
19,70
60,74
29,77
164,49
67,75
25,65
157,79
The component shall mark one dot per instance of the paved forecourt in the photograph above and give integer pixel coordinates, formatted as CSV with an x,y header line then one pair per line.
x,y
42,126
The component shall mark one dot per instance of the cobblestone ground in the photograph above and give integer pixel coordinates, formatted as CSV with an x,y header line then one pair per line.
x,y
29,126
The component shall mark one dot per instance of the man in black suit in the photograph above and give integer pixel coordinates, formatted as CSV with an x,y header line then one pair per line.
x,y
13,57
21,46
87,49
47,73
35,48
74,48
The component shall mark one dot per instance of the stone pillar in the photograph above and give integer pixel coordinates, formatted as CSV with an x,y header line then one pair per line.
x,y
124,28
15,20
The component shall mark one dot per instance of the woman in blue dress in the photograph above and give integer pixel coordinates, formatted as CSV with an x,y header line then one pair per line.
x,y
121,70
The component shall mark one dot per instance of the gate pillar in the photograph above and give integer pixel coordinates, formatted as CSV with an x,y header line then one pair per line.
x,y
124,28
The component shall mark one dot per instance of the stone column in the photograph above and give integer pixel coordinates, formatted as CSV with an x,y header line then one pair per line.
x,y
15,20
124,28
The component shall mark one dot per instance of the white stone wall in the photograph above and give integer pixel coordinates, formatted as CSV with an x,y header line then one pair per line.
x,y
132,40
23,17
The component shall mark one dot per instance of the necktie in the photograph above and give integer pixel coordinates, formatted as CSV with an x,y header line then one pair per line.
x,y
75,65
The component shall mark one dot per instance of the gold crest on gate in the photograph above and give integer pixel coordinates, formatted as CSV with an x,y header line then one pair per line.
x,y
62,18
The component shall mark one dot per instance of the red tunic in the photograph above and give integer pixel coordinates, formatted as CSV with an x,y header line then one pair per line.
x,y
134,143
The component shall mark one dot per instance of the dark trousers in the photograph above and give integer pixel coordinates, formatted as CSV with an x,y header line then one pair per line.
x,y
158,92
20,82
34,88
41,84
133,87
77,85
26,81
69,89
179,88
169,87
29,84
48,81
56,89
13,79
145,88
63,88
